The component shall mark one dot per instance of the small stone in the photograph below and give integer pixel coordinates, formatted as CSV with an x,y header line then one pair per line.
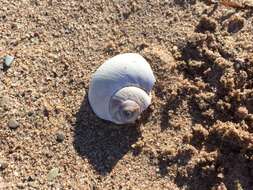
x,y
3,165
30,178
220,175
13,124
60,137
53,173
242,112
30,113
8,60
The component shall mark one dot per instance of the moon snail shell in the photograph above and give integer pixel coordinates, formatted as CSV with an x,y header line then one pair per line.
x,y
120,89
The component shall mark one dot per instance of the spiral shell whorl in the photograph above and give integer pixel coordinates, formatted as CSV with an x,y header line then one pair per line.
x,y
127,104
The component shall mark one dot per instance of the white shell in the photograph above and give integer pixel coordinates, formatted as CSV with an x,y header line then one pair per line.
x,y
111,79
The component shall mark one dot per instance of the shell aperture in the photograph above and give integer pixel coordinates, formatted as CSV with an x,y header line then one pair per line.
x,y
120,88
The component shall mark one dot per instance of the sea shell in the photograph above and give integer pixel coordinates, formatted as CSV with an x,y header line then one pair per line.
x,y
120,89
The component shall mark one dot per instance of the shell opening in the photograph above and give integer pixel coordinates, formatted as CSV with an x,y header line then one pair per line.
x,y
127,104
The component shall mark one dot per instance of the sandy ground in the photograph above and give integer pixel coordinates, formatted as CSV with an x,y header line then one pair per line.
x,y
197,134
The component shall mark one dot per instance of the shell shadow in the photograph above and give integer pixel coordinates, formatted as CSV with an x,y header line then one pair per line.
x,y
102,143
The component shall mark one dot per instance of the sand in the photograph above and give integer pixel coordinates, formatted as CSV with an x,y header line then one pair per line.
x,y
196,135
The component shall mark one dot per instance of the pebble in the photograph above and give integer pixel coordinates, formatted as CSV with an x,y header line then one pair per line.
x,y
30,178
220,175
53,173
60,137
13,124
30,113
3,165
8,60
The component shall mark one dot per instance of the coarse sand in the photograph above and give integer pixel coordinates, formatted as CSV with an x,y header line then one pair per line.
x,y
196,135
